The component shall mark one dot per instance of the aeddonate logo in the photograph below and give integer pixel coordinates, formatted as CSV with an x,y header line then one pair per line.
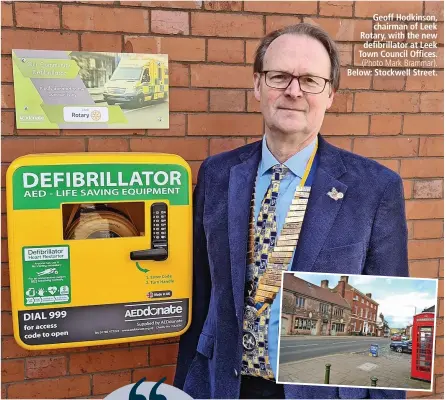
x,y
148,391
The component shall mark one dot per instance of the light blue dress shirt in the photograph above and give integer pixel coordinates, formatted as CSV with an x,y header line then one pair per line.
x,y
296,165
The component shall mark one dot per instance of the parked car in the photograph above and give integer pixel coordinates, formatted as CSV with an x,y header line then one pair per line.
x,y
401,346
396,337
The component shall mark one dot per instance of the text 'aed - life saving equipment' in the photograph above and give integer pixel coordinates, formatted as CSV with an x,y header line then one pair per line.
x,y
100,248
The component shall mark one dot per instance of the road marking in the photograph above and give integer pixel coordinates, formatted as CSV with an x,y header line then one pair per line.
x,y
301,345
353,341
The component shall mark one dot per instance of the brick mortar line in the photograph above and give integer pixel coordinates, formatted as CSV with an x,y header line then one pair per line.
x,y
149,21
165,35
82,374
91,384
219,135
357,113
90,349
341,91
131,369
349,113
259,137
242,12
14,17
211,136
60,16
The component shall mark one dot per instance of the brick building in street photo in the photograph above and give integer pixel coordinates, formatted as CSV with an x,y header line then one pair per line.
x,y
308,309
364,309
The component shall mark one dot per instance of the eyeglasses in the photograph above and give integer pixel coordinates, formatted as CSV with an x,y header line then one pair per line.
x,y
307,83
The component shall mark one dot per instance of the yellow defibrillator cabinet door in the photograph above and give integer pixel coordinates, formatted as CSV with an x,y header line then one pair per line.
x,y
100,248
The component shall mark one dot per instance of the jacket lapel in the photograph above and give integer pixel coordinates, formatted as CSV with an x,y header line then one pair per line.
x,y
241,182
322,209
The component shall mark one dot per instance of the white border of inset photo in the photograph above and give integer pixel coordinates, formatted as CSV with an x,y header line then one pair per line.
x,y
338,276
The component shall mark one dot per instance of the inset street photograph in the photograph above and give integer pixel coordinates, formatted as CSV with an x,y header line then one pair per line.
x,y
356,330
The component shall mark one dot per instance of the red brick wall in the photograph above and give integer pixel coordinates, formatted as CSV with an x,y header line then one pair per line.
x,y
356,317
397,121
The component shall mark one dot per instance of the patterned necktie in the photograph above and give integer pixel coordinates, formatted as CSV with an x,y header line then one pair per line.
x,y
255,360
266,226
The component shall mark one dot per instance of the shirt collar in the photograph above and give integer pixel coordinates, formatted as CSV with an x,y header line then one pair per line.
x,y
296,163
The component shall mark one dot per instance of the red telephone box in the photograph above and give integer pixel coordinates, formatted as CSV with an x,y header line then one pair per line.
x,y
422,346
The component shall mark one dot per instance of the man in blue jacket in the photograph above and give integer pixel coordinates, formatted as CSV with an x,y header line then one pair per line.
x,y
289,202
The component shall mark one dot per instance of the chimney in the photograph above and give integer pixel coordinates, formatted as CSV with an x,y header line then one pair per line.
x,y
369,295
324,284
344,278
342,288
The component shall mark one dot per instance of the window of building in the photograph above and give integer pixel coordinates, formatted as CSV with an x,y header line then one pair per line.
x,y
304,323
366,312
361,312
337,327
362,300
367,303
324,308
356,310
338,312
300,302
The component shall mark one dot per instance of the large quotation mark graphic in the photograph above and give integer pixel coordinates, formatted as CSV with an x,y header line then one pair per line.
x,y
133,395
152,396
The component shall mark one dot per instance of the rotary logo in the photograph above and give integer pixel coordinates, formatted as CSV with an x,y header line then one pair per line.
x,y
85,114
95,115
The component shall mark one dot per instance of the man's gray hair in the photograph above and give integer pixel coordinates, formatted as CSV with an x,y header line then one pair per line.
x,y
311,31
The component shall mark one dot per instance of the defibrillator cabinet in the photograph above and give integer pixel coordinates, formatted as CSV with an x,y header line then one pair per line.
x,y
422,346
100,248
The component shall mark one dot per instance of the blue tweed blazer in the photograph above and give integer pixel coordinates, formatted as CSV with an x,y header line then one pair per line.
x,y
365,232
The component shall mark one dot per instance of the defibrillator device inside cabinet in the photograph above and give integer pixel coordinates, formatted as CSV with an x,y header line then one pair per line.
x,y
100,248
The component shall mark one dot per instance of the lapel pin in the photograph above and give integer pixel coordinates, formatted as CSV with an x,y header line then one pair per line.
x,y
335,195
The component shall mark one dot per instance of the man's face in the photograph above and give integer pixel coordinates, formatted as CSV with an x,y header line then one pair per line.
x,y
291,111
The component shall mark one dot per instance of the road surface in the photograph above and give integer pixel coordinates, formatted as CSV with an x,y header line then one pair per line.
x,y
301,348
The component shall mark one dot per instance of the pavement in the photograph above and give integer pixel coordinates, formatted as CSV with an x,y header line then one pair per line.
x,y
355,369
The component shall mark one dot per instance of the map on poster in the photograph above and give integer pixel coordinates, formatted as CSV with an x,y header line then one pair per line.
x,y
90,90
